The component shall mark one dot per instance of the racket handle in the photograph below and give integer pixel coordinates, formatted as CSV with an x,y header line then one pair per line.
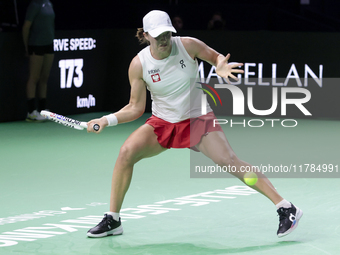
x,y
96,127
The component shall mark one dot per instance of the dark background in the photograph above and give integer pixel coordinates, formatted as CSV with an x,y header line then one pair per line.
x,y
274,15
275,31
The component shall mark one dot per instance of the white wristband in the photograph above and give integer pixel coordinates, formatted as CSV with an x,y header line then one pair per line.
x,y
111,119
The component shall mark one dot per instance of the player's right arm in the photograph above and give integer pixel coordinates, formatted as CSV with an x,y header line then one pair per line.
x,y
136,106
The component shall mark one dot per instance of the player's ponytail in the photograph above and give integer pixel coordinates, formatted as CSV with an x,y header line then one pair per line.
x,y
140,36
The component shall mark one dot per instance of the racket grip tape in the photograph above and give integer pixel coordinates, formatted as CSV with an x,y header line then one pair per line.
x,y
96,127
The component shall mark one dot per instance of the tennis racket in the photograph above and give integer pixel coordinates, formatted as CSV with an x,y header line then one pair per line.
x,y
66,121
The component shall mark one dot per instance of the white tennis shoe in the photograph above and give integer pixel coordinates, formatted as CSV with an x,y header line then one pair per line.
x,y
35,116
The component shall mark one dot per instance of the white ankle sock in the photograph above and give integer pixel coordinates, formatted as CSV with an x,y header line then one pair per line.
x,y
284,203
114,215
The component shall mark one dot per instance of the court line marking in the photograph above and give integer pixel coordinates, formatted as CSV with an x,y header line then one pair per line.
x,y
30,234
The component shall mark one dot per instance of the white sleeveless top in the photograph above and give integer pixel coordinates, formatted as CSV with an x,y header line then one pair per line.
x,y
172,83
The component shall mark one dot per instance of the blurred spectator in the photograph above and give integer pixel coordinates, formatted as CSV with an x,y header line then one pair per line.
x,y
177,22
38,35
216,22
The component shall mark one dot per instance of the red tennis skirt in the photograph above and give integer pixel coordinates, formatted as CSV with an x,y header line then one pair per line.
x,y
184,134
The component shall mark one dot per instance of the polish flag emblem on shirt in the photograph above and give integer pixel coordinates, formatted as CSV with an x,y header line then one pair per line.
x,y
156,77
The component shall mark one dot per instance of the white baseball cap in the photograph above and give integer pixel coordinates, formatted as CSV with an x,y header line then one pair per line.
x,y
157,22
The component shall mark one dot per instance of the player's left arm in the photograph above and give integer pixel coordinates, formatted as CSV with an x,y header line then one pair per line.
x,y
198,49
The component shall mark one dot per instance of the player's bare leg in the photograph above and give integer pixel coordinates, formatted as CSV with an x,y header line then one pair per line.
x,y
141,144
216,146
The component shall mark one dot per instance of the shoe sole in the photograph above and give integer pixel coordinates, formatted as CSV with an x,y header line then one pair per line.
x,y
299,214
113,232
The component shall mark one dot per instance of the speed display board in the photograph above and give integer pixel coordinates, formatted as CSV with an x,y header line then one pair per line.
x,y
78,74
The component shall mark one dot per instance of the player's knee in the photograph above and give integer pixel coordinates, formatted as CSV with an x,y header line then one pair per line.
x,y
127,154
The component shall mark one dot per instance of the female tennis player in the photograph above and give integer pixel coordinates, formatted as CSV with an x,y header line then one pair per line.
x,y
165,67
